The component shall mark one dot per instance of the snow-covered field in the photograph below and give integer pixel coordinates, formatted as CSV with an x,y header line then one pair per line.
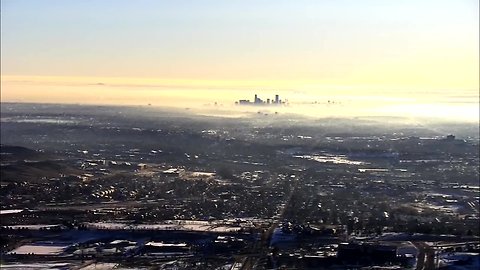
x,y
34,266
10,211
107,266
460,261
100,266
195,226
39,249
34,226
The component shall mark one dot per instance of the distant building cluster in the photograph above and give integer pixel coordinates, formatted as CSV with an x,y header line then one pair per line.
x,y
259,101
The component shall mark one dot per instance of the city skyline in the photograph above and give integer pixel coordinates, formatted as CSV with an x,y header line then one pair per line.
x,y
259,101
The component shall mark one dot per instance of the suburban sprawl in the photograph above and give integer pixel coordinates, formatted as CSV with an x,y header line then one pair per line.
x,y
144,188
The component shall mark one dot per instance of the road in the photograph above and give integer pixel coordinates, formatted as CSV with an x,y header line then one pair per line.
x,y
425,257
262,247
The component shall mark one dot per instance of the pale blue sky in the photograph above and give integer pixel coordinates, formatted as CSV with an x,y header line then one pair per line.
x,y
233,39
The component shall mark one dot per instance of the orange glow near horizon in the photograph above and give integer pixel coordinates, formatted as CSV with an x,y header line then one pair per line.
x,y
373,53
363,100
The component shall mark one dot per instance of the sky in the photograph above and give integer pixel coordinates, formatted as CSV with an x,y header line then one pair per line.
x,y
185,51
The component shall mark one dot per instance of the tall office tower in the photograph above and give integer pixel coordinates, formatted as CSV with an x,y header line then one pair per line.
x,y
277,100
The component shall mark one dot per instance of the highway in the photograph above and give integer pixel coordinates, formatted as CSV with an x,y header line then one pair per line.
x,y
427,254
425,257
262,247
